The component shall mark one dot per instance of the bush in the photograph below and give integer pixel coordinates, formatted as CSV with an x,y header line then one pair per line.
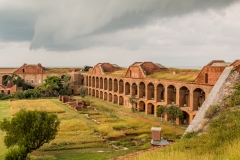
x,y
4,96
18,95
212,110
32,94
16,152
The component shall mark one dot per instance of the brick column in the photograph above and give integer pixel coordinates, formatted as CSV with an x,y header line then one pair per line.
x,y
191,99
177,96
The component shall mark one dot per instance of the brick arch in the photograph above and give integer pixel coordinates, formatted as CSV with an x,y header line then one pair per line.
x,y
101,82
105,83
97,93
171,94
110,97
110,84
93,92
127,88
121,86
97,82
198,98
115,99
185,118
160,92
150,91
105,96
134,89
121,100
89,91
142,106
90,81
184,96
150,108
101,95
93,81
142,90
115,85
4,77
86,80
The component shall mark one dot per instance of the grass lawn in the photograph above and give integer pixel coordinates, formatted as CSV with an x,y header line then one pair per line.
x,y
4,113
80,137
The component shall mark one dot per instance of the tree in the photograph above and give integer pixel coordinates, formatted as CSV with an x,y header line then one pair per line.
x,y
160,111
174,111
66,82
51,86
133,101
29,130
83,91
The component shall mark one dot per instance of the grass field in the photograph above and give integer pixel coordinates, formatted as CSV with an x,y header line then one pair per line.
x,y
38,104
80,137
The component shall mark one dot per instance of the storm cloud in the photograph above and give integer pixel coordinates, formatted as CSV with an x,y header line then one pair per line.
x,y
77,24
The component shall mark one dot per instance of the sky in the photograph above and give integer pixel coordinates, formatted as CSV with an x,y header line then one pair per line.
x,y
75,33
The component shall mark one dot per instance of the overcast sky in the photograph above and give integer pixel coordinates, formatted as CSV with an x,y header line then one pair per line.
x,y
74,33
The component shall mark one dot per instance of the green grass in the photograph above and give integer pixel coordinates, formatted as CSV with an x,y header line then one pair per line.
x,y
80,137
221,142
4,113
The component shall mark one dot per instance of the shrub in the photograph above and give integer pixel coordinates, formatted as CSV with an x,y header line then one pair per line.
x,y
16,152
212,110
32,94
18,95
4,96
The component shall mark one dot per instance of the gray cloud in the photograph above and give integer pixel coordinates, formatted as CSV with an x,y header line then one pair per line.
x,y
77,24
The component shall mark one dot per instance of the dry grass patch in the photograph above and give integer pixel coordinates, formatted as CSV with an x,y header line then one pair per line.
x,y
40,104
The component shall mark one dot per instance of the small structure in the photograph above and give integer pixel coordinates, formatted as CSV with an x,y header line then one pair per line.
x,y
157,140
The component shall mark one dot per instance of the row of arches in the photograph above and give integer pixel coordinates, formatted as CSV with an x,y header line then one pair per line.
x,y
182,96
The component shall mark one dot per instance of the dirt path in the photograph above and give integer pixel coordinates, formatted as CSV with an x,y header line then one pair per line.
x,y
139,117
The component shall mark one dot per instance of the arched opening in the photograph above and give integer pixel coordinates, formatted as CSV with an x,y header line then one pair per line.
x,y
142,90
105,84
121,86
121,100
86,80
127,88
134,89
206,78
115,100
105,96
90,81
62,77
171,93
142,107
93,93
115,89
101,83
110,97
97,82
198,98
150,108
185,118
184,98
93,81
97,93
110,84
150,91
160,93
4,82
101,95
89,91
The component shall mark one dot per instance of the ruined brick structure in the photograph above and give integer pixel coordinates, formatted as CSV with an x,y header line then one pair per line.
x,y
34,75
150,93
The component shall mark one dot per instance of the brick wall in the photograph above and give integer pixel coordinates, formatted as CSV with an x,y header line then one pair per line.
x,y
209,74
134,72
